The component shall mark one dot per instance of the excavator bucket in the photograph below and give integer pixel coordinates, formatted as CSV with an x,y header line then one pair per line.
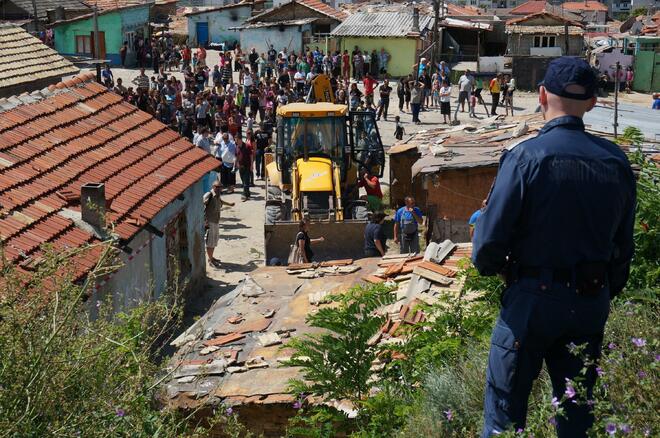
x,y
343,240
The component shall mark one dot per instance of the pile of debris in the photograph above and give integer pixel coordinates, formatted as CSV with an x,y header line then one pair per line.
x,y
316,269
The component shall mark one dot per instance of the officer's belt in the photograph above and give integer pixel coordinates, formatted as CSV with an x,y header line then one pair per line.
x,y
561,275
588,278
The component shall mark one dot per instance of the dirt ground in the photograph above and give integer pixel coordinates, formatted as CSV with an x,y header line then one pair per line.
x,y
241,230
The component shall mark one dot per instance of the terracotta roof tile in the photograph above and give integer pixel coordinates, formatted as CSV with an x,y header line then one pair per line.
x,y
84,133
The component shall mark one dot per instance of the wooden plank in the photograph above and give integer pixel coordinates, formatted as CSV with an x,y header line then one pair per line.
x,y
398,256
442,270
341,262
299,266
432,276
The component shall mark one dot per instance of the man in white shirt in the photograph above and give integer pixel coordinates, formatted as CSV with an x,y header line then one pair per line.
x,y
465,84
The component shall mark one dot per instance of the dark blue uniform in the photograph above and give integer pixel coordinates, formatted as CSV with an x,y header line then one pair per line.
x,y
561,210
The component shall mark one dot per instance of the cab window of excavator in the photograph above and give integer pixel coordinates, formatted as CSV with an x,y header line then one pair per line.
x,y
317,136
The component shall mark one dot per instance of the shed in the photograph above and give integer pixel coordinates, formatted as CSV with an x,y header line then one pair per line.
x,y
453,170
27,64
79,161
403,34
646,50
214,24
544,34
125,22
294,25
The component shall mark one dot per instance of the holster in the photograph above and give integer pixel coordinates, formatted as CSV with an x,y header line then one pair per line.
x,y
591,278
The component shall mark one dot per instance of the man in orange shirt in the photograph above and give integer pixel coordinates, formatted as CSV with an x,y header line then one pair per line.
x,y
495,93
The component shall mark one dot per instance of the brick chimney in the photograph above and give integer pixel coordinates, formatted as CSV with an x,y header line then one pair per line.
x,y
92,204
415,23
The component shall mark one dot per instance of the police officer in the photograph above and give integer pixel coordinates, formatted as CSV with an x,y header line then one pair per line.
x,y
558,225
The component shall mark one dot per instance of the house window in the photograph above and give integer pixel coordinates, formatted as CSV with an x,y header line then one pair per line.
x,y
545,41
84,45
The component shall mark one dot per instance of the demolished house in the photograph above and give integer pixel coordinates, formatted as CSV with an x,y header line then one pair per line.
x,y
80,166
235,355
450,170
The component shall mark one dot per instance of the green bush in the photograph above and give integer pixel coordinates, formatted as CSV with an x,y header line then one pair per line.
x,y
63,373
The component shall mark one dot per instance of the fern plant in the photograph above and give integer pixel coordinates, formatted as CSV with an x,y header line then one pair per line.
x,y
336,362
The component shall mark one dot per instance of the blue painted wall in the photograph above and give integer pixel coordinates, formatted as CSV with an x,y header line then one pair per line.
x,y
219,24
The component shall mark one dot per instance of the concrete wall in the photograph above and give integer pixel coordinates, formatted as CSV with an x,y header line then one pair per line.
x,y
144,272
113,24
219,24
402,51
290,37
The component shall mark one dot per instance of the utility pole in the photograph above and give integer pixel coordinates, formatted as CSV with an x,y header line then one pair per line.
x,y
436,36
616,99
97,43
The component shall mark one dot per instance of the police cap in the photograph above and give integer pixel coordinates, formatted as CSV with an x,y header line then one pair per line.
x,y
570,70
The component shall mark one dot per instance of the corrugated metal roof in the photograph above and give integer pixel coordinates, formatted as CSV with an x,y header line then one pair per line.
x,y
24,59
381,24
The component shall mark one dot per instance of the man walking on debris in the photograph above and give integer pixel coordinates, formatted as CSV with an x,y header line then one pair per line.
x,y
212,207
558,224
406,226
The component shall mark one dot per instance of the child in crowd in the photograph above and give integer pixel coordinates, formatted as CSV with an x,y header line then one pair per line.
x,y
445,97
399,130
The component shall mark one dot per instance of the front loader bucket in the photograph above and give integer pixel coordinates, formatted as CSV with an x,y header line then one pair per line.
x,y
343,240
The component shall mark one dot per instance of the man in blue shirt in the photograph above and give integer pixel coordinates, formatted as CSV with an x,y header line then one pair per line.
x,y
558,225
406,226
656,101
473,219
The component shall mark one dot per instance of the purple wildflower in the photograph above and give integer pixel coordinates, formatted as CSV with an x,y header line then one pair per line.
x,y
98,304
610,428
570,391
639,342
554,402
611,345
120,412
599,371
624,428
229,412
520,430
449,414
657,357
590,402
552,421
641,374
297,404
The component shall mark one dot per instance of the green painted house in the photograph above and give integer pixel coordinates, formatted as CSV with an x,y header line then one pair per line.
x,y
404,35
130,23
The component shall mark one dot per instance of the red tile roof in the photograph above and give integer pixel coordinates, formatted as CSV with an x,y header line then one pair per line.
x,y
454,10
585,6
530,7
83,133
323,8
560,18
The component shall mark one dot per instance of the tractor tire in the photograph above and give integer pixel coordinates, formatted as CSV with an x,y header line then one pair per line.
x,y
273,214
272,192
360,212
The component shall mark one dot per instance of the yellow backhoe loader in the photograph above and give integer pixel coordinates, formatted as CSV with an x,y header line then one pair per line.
x,y
313,175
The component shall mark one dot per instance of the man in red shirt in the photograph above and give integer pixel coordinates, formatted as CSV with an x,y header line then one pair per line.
x,y
372,187
369,87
